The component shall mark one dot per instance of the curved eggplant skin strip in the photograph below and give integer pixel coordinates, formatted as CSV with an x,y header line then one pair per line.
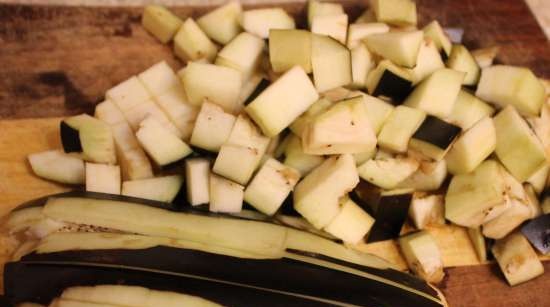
x,y
133,296
72,303
372,288
60,242
43,282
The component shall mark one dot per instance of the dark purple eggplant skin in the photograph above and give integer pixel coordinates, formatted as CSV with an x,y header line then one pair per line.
x,y
437,132
70,138
280,274
537,232
367,196
41,283
390,217
390,212
393,86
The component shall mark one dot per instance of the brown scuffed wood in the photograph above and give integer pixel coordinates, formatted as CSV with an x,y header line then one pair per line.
x,y
485,286
57,61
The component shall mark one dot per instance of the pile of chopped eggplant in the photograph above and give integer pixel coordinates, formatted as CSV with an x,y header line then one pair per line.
x,y
273,145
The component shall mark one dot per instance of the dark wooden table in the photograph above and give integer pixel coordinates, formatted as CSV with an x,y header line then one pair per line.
x,y
56,61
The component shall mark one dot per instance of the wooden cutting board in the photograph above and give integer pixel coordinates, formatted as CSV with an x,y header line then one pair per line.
x,y
57,61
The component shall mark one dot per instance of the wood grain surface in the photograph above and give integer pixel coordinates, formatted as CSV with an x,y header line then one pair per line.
x,y
56,61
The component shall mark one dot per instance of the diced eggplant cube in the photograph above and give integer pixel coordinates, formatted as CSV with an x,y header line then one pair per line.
x,y
103,178
428,61
288,48
316,196
212,127
161,145
134,164
197,176
434,31
389,80
358,31
478,241
146,109
484,57
362,63
472,147
282,102
387,173
317,8
225,195
70,138
271,186
482,195
159,78
260,21
468,110
296,158
517,259
429,176
243,53
109,113
58,166
518,212
160,22
390,214
163,189
217,84
222,23
427,209
128,94
343,128
330,62
191,43
399,128
399,47
518,148
423,256
351,224
434,137
437,94
395,12
335,26
509,85
462,60
94,136
242,152
181,113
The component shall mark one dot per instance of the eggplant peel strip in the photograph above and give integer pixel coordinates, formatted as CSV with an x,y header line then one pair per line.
x,y
231,250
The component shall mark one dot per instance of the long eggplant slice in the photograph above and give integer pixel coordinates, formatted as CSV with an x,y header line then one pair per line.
x,y
132,296
312,276
58,242
303,241
42,282
250,236
537,231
